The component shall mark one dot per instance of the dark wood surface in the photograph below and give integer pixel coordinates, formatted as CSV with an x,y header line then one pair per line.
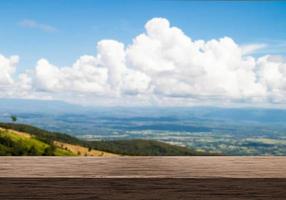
x,y
143,178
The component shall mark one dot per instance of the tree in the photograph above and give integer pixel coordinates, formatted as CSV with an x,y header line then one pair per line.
x,y
32,151
13,118
49,151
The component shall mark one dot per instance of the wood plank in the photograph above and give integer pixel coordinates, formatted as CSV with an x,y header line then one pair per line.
x,y
141,188
144,167
216,178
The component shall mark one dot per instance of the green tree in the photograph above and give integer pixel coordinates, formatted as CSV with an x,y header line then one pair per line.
x,y
13,118
32,151
49,151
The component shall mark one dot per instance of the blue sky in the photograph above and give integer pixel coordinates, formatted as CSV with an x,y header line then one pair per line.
x,y
81,24
159,52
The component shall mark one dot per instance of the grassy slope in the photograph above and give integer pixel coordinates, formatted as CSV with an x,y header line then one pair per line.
x,y
83,151
123,147
13,143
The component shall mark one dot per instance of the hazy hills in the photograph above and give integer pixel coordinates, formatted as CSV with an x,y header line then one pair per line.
x,y
259,115
37,106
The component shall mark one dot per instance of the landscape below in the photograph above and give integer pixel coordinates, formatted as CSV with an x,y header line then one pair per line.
x,y
26,140
216,130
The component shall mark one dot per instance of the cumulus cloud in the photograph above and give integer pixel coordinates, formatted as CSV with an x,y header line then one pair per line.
x,y
180,67
7,69
28,23
12,85
161,66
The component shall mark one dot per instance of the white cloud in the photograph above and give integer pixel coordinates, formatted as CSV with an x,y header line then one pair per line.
x,y
252,48
180,67
12,85
161,66
7,69
28,23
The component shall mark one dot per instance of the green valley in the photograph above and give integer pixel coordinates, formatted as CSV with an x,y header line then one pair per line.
x,y
26,140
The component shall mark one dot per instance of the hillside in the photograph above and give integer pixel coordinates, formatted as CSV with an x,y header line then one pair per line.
x,y
141,147
16,143
22,139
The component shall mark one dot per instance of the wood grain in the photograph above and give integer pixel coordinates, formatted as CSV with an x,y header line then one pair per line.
x,y
144,167
138,188
67,178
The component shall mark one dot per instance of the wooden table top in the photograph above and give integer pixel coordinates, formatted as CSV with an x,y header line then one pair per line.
x,y
144,167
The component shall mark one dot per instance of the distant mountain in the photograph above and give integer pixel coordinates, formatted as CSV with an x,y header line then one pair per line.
x,y
261,115
237,115
38,106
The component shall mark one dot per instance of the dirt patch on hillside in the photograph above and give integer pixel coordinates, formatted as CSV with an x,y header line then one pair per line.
x,y
83,151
